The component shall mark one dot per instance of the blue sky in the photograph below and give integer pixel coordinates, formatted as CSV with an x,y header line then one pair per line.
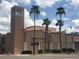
x,y
47,9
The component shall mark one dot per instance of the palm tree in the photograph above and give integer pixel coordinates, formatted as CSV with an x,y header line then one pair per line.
x,y
60,23
35,10
46,22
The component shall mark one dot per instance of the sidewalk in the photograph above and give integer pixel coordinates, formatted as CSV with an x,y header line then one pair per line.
x,y
49,54
40,56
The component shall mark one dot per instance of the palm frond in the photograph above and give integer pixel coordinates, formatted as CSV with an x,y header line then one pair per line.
x,y
35,9
43,23
56,24
57,13
59,23
61,11
46,21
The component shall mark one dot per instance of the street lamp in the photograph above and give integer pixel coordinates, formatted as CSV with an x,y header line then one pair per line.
x,y
65,39
72,37
33,44
44,40
37,43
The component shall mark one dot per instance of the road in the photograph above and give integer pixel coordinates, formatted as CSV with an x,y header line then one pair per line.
x,y
41,56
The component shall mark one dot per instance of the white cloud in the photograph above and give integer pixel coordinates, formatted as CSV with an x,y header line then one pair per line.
x,y
46,3
5,12
14,3
43,13
53,22
20,1
66,19
78,14
28,22
76,21
39,22
73,2
23,2
67,6
76,25
4,24
4,20
69,30
0,1
65,26
27,19
5,9
26,14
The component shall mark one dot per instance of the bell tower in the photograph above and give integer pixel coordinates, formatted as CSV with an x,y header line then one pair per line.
x,y
17,26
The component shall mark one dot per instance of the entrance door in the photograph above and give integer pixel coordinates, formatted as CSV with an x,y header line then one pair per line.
x,y
77,46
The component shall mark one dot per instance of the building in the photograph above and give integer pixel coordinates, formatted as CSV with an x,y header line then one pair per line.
x,y
39,37
17,29
1,44
67,40
8,43
21,39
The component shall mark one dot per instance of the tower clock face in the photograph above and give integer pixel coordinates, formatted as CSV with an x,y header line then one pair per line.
x,y
18,14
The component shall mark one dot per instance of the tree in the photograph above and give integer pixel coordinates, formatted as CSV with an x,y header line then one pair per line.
x,y
35,10
46,22
60,23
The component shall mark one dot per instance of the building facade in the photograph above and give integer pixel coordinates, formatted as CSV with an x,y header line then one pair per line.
x,y
17,29
8,43
67,40
1,43
21,39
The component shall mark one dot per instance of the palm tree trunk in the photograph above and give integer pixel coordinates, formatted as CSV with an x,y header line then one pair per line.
x,y
60,35
45,38
34,36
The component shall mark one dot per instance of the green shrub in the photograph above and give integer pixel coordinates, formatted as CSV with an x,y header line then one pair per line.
x,y
52,51
64,50
70,50
40,51
56,51
26,52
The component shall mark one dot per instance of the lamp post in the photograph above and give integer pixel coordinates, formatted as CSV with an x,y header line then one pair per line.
x,y
65,39
44,40
72,37
37,43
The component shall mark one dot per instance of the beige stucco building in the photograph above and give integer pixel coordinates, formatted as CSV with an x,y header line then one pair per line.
x,y
39,37
67,40
21,39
